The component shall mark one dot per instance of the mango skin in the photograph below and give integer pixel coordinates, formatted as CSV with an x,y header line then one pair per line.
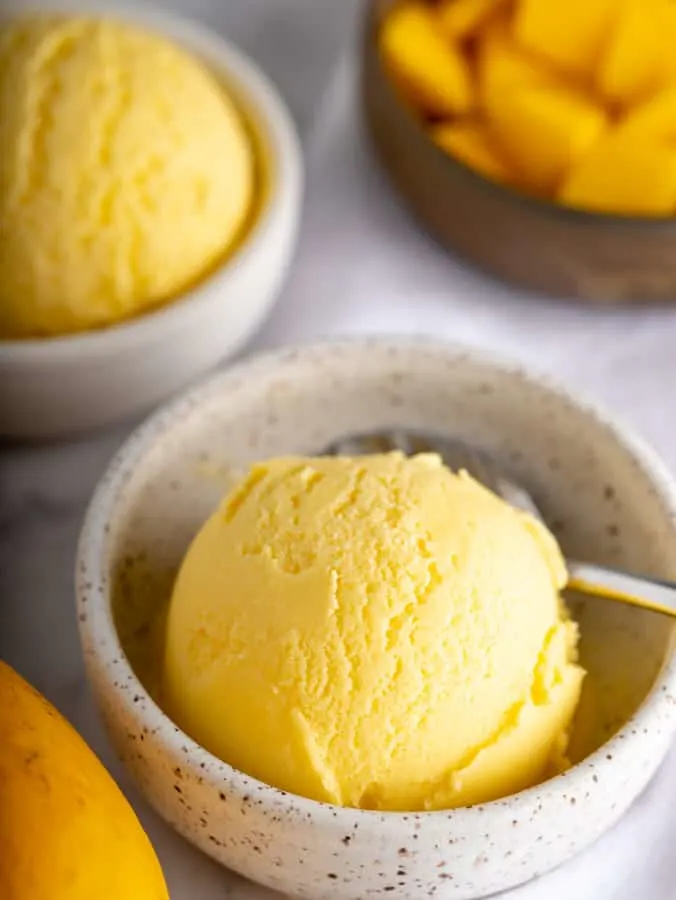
x,y
66,830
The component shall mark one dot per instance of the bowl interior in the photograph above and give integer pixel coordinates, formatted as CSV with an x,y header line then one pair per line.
x,y
601,495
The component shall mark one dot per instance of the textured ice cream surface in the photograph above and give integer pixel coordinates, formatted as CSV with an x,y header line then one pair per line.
x,y
126,173
375,632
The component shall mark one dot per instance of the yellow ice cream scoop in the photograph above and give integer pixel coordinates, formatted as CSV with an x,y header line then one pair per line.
x,y
375,632
126,173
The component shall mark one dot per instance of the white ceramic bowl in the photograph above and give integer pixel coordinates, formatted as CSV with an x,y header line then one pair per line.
x,y
604,493
52,387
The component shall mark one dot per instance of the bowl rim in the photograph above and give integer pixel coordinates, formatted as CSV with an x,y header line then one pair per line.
x,y
99,634
541,205
258,100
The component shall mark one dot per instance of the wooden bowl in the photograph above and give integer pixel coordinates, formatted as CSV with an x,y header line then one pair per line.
x,y
530,242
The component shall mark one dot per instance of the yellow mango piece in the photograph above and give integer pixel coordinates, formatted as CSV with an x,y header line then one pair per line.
x,y
462,18
640,56
544,131
568,33
470,142
431,69
503,66
656,117
626,173
66,830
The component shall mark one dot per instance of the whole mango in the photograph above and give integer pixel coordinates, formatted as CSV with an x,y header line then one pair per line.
x,y
66,830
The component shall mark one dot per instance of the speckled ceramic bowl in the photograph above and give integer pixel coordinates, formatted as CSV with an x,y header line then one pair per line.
x,y
607,497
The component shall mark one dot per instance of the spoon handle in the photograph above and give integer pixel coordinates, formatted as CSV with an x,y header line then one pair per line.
x,y
601,581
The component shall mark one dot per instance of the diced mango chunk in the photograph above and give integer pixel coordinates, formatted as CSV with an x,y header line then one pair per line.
x,y
469,141
568,33
641,53
431,68
545,131
656,117
462,18
503,66
627,174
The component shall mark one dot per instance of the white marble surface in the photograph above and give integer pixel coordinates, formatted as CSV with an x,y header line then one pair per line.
x,y
362,266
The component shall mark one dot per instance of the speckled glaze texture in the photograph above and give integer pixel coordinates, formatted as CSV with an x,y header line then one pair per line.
x,y
607,497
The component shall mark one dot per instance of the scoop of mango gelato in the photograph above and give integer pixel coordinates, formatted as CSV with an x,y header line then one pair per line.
x,y
126,173
374,632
